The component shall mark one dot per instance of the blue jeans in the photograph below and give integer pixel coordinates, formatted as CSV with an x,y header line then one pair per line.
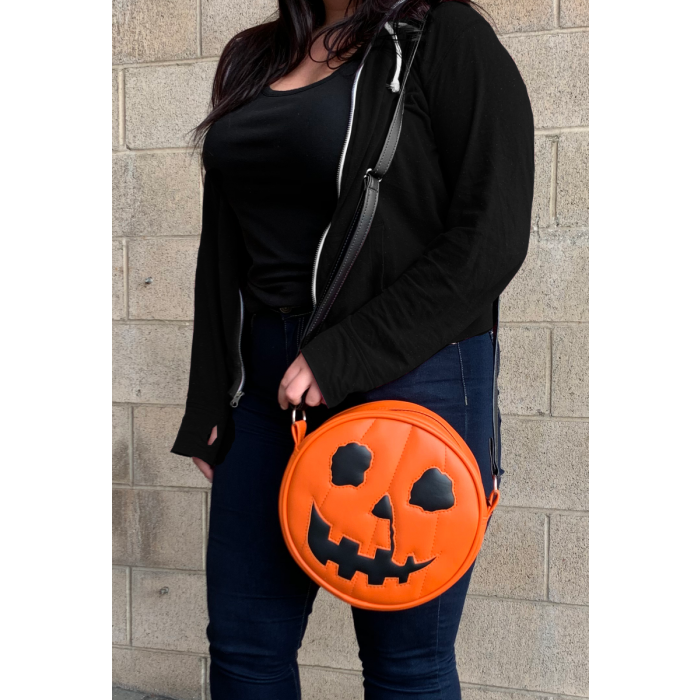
x,y
259,599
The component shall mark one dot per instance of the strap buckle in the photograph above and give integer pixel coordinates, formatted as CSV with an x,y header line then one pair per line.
x,y
370,173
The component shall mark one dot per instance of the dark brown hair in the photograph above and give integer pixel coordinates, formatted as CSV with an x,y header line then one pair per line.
x,y
261,55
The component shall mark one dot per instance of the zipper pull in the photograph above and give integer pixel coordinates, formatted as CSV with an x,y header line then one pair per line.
x,y
236,399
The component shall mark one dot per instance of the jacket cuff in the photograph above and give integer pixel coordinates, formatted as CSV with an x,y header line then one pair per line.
x,y
337,364
193,436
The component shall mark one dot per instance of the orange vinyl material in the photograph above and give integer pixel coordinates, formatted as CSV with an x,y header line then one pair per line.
x,y
373,525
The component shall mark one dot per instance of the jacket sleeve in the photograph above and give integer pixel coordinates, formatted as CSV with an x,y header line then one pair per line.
x,y
484,134
207,399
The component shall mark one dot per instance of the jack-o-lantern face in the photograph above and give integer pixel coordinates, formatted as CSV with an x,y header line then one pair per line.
x,y
386,518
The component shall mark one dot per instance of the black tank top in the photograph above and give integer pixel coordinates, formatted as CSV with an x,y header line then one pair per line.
x,y
279,155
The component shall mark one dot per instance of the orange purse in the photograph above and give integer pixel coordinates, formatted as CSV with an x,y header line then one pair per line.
x,y
383,505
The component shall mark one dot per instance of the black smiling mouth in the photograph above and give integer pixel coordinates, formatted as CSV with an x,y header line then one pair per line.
x,y
346,553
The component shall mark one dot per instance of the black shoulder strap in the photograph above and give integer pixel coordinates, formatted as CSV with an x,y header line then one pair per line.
x,y
362,221
495,440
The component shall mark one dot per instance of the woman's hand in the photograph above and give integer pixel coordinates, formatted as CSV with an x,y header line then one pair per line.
x,y
297,379
203,467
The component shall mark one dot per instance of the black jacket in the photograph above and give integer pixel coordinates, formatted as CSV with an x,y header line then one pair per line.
x,y
451,229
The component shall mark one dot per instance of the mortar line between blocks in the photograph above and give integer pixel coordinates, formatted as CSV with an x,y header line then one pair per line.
x,y
204,530
557,13
153,322
128,607
547,32
548,419
176,652
130,413
546,555
199,28
556,130
121,99
125,253
155,149
169,62
532,601
155,487
549,377
521,691
203,678
554,140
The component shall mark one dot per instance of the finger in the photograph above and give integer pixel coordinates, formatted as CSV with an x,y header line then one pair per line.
x,y
213,436
204,468
313,396
289,376
291,373
296,389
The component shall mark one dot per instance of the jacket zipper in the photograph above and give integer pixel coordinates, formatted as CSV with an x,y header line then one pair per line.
x,y
339,177
239,392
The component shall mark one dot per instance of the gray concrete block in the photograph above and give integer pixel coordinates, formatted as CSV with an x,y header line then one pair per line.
x,y
520,15
118,281
169,611
552,284
153,30
161,278
546,464
570,371
121,437
573,13
330,637
156,194
470,692
164,103
555,70
155,428
568,559
155,672
543,182
158,528
572,179
223,19
115,109
512,559
330,684
524,374
120,610
523,645
151,363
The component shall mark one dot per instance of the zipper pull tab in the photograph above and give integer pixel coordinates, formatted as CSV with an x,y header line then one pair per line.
x,y
236,399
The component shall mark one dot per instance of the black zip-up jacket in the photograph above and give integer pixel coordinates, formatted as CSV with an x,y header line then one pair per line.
x,y
450,232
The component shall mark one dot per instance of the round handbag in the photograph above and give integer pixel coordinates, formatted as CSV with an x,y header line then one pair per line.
x,y
383,505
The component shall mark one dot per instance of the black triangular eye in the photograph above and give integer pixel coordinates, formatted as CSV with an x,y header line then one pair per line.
x,y
433,491
349,464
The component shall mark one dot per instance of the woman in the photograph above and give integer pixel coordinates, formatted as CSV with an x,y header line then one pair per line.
x,y
301,107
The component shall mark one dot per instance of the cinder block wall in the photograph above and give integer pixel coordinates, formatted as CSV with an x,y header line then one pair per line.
x,y
524,629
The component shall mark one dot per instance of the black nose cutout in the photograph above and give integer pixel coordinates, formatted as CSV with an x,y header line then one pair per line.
x,y
349,464
433,491
382,508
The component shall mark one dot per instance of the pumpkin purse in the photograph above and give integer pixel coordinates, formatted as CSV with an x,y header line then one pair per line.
x,y
383,505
